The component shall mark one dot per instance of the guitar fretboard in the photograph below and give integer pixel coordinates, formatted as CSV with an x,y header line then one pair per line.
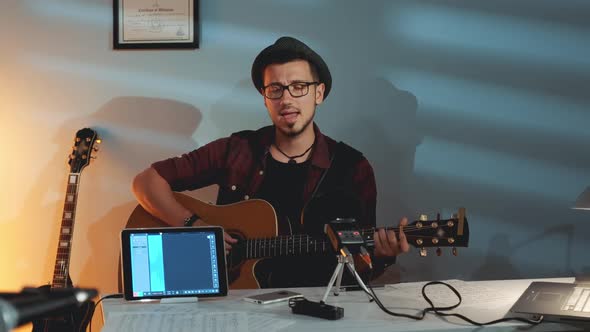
x,y
62,259
301,244
293,245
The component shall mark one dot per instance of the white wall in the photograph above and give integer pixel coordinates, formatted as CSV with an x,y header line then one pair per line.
x,y
456,103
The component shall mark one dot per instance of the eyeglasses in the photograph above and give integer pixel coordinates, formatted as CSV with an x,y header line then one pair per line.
x,y
296,89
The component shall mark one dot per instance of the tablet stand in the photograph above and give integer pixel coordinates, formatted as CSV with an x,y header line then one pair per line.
x,y
170,300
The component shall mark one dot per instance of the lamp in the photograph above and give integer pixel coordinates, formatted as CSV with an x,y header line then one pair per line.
x,y
583,201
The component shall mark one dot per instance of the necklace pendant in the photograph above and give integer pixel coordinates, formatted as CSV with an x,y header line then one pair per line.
x,y
292,161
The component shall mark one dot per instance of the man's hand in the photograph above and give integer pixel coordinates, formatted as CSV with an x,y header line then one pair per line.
x,y
226,237
387,244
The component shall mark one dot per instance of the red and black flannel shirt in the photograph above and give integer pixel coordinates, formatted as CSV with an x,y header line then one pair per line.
x,y
237,164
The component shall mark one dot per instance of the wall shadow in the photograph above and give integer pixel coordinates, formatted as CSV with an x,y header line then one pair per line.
x,y
136,131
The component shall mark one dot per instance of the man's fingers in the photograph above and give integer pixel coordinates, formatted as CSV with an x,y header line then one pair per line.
x,y
228,238
392,239
388,243
403,222
403,241
382,244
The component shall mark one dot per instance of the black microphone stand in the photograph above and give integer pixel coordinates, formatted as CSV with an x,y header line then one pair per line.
x,y
31,303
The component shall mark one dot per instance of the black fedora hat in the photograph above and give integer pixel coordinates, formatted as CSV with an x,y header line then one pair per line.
x,y
287,49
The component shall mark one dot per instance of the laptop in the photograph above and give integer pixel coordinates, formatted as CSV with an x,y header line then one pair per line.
x,y
173,262
556,302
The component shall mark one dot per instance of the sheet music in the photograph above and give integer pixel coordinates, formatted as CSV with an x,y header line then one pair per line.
x,y
471,294
163,319
166,321
267,323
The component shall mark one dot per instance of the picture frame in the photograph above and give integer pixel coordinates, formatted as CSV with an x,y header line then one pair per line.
x,y
155,24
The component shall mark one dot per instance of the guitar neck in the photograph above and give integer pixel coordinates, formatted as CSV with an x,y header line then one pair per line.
x,y
418,235
62,259
293,245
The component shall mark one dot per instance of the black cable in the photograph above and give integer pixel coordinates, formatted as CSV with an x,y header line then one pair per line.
x,y
438,310
110,296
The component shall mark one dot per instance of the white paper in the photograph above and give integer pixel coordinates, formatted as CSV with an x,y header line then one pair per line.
x,y
162,318
472,294
267,323
166,321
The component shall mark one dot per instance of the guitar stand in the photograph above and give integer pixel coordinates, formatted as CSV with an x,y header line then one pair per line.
x,y
344,258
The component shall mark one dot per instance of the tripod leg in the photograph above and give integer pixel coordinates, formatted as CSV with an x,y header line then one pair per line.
x,y
337,271
339,281
358,278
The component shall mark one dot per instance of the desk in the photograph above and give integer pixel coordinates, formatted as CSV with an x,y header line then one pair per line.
x,y
482,301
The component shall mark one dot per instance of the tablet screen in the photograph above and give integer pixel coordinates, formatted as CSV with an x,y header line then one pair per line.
x,y
173,262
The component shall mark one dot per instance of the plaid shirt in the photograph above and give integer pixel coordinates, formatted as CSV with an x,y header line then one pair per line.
x,y
237,164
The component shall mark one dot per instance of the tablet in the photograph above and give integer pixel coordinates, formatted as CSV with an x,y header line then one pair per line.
x,y
173,262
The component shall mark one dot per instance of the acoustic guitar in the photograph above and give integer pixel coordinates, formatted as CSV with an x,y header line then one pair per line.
x,y
254,223
78,319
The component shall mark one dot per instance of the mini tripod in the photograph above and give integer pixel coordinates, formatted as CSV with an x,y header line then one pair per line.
x,y
344,258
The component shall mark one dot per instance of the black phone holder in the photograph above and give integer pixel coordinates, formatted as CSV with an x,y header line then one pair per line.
x,y
346,240
342,232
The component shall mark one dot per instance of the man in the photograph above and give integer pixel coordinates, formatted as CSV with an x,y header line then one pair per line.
x,y
290,164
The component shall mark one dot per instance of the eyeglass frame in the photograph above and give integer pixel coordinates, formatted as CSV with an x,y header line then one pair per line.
x,y
287,87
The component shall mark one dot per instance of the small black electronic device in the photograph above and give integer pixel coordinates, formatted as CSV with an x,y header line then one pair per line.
x,y
302,306
173,262
344,233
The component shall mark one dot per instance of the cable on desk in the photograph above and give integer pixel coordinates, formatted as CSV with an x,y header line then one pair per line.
x,y
440,310
110,296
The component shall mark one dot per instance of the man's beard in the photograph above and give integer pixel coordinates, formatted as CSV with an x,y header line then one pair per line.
x,y
295,133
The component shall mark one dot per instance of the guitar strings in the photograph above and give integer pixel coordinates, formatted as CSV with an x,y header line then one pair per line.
x,y
258,247
304,237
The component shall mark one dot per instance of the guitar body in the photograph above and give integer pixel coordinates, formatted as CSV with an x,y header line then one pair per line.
x,y
254,218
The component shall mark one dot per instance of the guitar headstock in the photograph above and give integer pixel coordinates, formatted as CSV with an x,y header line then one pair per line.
x,y
452,232
83,149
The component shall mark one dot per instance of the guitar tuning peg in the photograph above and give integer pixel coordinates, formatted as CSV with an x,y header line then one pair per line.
x,y
95,149
454,251
423,252
438,252
98,141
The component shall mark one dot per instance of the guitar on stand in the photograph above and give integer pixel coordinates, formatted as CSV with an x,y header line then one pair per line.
x,y
77,319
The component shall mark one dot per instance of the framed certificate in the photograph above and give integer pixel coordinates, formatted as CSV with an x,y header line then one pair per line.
x,y
155,24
